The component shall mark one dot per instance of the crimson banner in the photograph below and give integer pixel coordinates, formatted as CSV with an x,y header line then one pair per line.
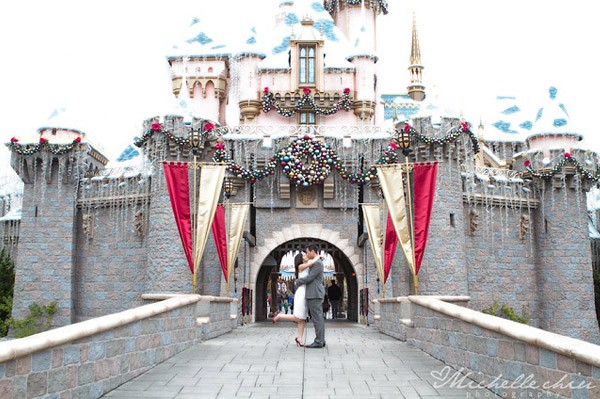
x,y
220,237
176,176
389,250
424,183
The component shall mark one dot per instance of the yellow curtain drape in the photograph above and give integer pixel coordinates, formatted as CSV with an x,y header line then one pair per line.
x,y
236,215
211,180
372,215
390,179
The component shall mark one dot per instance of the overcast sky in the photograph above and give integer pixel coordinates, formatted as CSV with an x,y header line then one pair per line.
x,y
104,60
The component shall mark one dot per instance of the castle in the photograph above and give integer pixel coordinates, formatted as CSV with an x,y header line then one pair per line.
x,y
508,224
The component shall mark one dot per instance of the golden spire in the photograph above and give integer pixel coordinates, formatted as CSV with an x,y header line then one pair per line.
x,y
415,50
416,89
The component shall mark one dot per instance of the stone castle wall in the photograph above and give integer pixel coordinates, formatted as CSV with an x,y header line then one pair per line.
x,y
546,274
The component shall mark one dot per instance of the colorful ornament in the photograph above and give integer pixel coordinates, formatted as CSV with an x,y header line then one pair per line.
x,y
306,162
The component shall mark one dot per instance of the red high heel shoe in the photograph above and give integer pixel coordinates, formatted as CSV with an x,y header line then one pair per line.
x,y
298,342
274,316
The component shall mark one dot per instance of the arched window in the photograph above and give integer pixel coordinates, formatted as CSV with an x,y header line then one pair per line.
x,y
307,64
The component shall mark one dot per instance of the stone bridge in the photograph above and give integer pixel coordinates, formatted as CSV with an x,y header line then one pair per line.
x,y
192,346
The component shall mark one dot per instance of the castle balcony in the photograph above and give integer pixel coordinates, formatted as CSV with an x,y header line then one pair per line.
x,y
322,99
498,187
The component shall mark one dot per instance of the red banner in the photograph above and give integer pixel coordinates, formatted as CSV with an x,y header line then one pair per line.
x,y
424,183
220,237
391,241
176,176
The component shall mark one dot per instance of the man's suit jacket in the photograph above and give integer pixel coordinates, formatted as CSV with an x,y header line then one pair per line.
x,y
314,281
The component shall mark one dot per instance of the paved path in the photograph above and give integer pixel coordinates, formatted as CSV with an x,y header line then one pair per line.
x,y
262,361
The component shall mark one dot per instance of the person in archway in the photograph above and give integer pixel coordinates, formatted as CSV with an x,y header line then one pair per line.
x,y
315,292
335,294
300,312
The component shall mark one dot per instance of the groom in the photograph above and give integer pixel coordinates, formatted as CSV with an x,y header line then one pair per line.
x,y
315,291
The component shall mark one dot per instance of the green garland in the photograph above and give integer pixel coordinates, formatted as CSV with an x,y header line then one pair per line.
x,y
567,158
159,128
43,145
269,102
306,162
451,136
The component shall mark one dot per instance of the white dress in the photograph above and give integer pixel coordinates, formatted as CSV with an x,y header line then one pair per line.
x,y
300,308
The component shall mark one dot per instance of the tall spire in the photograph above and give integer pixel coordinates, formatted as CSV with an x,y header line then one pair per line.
x,y
416,89
415,50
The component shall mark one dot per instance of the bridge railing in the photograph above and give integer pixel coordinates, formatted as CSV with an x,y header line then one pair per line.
x,y
91,358
513,360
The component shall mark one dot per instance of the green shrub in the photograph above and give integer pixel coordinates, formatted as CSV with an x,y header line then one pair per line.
x,y
39,319
506,312
7,284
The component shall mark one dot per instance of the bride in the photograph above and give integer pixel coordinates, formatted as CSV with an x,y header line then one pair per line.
x,y
301,263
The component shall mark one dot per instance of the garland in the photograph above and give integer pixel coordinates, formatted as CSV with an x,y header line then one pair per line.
x,y
305,162
306,101
567,158
44,144
159,128
451,136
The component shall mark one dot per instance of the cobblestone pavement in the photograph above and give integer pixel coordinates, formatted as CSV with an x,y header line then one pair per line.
x,y
262,361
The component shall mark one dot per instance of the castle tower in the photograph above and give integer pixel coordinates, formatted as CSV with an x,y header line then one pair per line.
x,y
248,81
51,170
416,89
357,19
206,78
560,229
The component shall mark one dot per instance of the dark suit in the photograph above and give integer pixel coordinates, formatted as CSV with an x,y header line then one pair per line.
x,y
315,291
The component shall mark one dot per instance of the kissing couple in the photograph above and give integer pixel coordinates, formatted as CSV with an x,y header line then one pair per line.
x,y
309,295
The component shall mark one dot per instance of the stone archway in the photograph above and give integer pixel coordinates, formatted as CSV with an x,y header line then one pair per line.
x,y
348,257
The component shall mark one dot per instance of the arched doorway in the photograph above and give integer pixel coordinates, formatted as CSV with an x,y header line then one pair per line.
x,y
345,276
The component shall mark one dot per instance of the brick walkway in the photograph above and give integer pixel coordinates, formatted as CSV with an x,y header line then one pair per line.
x,y
262,361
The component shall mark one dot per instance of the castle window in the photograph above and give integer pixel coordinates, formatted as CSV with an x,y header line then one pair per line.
x,y
307,118
307,64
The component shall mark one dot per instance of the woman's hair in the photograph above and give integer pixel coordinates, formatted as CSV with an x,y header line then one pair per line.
x,y
298,259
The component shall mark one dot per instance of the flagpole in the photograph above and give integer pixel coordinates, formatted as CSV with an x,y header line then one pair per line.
x,y
194,206
194,141
408,167
404,141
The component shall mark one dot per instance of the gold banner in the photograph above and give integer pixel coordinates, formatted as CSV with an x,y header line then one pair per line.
x,y
372,215
390,179
211,181
236,215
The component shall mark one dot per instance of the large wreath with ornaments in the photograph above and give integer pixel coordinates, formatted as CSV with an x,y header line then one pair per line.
x,y
306,162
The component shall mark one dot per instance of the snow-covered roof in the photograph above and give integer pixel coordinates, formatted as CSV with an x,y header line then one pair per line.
x,y
552,117
434,108
507,120
271,40
198,42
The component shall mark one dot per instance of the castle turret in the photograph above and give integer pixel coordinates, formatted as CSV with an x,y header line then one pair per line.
x,y
416,89
350,14
51,170
204,65
561,235
248,87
